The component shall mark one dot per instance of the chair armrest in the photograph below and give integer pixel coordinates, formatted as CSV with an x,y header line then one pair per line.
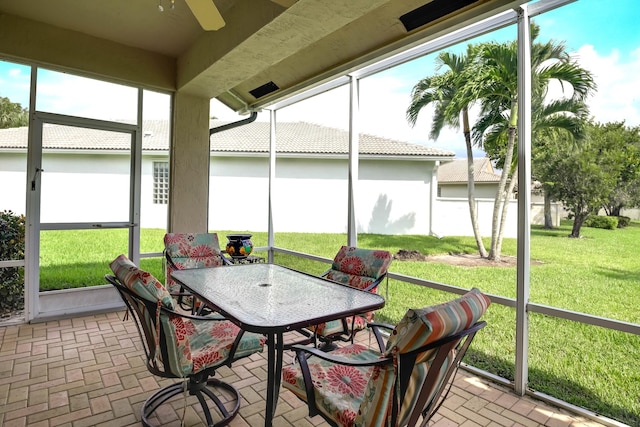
x,y
368,288
213,317
375,327
380,325
225,260
339,359
169,261
375,283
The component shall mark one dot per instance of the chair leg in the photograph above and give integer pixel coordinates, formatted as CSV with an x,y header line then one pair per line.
x,y
201,391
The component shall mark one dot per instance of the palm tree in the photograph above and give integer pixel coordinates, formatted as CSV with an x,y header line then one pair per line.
x,y
493,81
442,90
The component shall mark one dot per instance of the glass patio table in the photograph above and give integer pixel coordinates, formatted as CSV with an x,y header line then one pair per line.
x,y
271,299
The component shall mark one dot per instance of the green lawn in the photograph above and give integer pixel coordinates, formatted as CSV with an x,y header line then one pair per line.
x,y
599,274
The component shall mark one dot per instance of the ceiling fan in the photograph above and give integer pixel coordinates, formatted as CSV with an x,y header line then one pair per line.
x,y
206,13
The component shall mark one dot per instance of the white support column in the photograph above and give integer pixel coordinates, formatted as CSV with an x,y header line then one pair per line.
x,y
354,154
190,156
524,200
272,177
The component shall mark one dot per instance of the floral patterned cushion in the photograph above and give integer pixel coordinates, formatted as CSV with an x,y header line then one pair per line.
x,y
190,250
192,345
332,327
140,282
357,268
339,391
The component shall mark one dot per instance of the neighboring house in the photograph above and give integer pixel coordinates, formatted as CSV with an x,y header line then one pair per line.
x,y
453,179
453,186
395,191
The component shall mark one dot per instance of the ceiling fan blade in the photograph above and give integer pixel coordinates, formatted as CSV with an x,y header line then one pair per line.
x,y
207,14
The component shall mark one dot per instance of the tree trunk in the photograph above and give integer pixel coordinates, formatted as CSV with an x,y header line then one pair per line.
x,y
494,253
578,220
505,208
471,197
548,221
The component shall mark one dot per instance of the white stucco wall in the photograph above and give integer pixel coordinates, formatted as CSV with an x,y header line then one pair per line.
x,y
13,178
310,195
482,191
81,188
451,217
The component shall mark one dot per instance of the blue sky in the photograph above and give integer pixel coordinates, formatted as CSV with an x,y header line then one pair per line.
x,y
602,35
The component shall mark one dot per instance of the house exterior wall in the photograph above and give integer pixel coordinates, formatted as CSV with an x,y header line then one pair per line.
x,y
83,188
482,191
310,195
633,213
451,216
13,179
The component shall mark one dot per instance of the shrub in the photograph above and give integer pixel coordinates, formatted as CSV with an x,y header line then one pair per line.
x,y
11,248
623,221
606,222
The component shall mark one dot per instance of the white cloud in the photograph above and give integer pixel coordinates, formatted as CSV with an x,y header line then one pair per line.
x,y
618,93
384,99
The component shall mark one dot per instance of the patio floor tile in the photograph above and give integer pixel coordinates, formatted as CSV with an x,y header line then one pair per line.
x,y
90,371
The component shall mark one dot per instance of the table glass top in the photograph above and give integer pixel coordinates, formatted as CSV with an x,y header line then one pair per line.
x,y
268,296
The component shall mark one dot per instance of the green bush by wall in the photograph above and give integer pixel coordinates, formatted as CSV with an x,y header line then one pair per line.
x,y
606,222
11,248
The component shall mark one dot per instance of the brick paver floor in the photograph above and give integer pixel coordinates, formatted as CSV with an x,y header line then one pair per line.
x,y
90,371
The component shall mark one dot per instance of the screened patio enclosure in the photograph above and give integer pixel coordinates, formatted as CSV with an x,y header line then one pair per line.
x,y
262,60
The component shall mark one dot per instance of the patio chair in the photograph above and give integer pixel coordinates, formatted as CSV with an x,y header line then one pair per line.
x,y
359,268
190,250
182,346
402,384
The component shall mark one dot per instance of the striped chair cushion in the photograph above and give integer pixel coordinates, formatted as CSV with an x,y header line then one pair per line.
x,y
418,328
362,396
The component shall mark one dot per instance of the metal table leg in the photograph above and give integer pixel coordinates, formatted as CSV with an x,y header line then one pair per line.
x,y
275,356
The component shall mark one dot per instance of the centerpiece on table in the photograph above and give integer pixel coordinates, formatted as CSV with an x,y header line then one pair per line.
x,y
239,245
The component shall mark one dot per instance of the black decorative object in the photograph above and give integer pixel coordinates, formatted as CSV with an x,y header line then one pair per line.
x,y
239,245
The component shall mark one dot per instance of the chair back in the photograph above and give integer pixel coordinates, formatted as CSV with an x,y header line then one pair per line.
x,y
427,347
359,268
167,334
190,250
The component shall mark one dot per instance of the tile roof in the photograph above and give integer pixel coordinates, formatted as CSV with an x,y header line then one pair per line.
x,y
292,137
457,171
